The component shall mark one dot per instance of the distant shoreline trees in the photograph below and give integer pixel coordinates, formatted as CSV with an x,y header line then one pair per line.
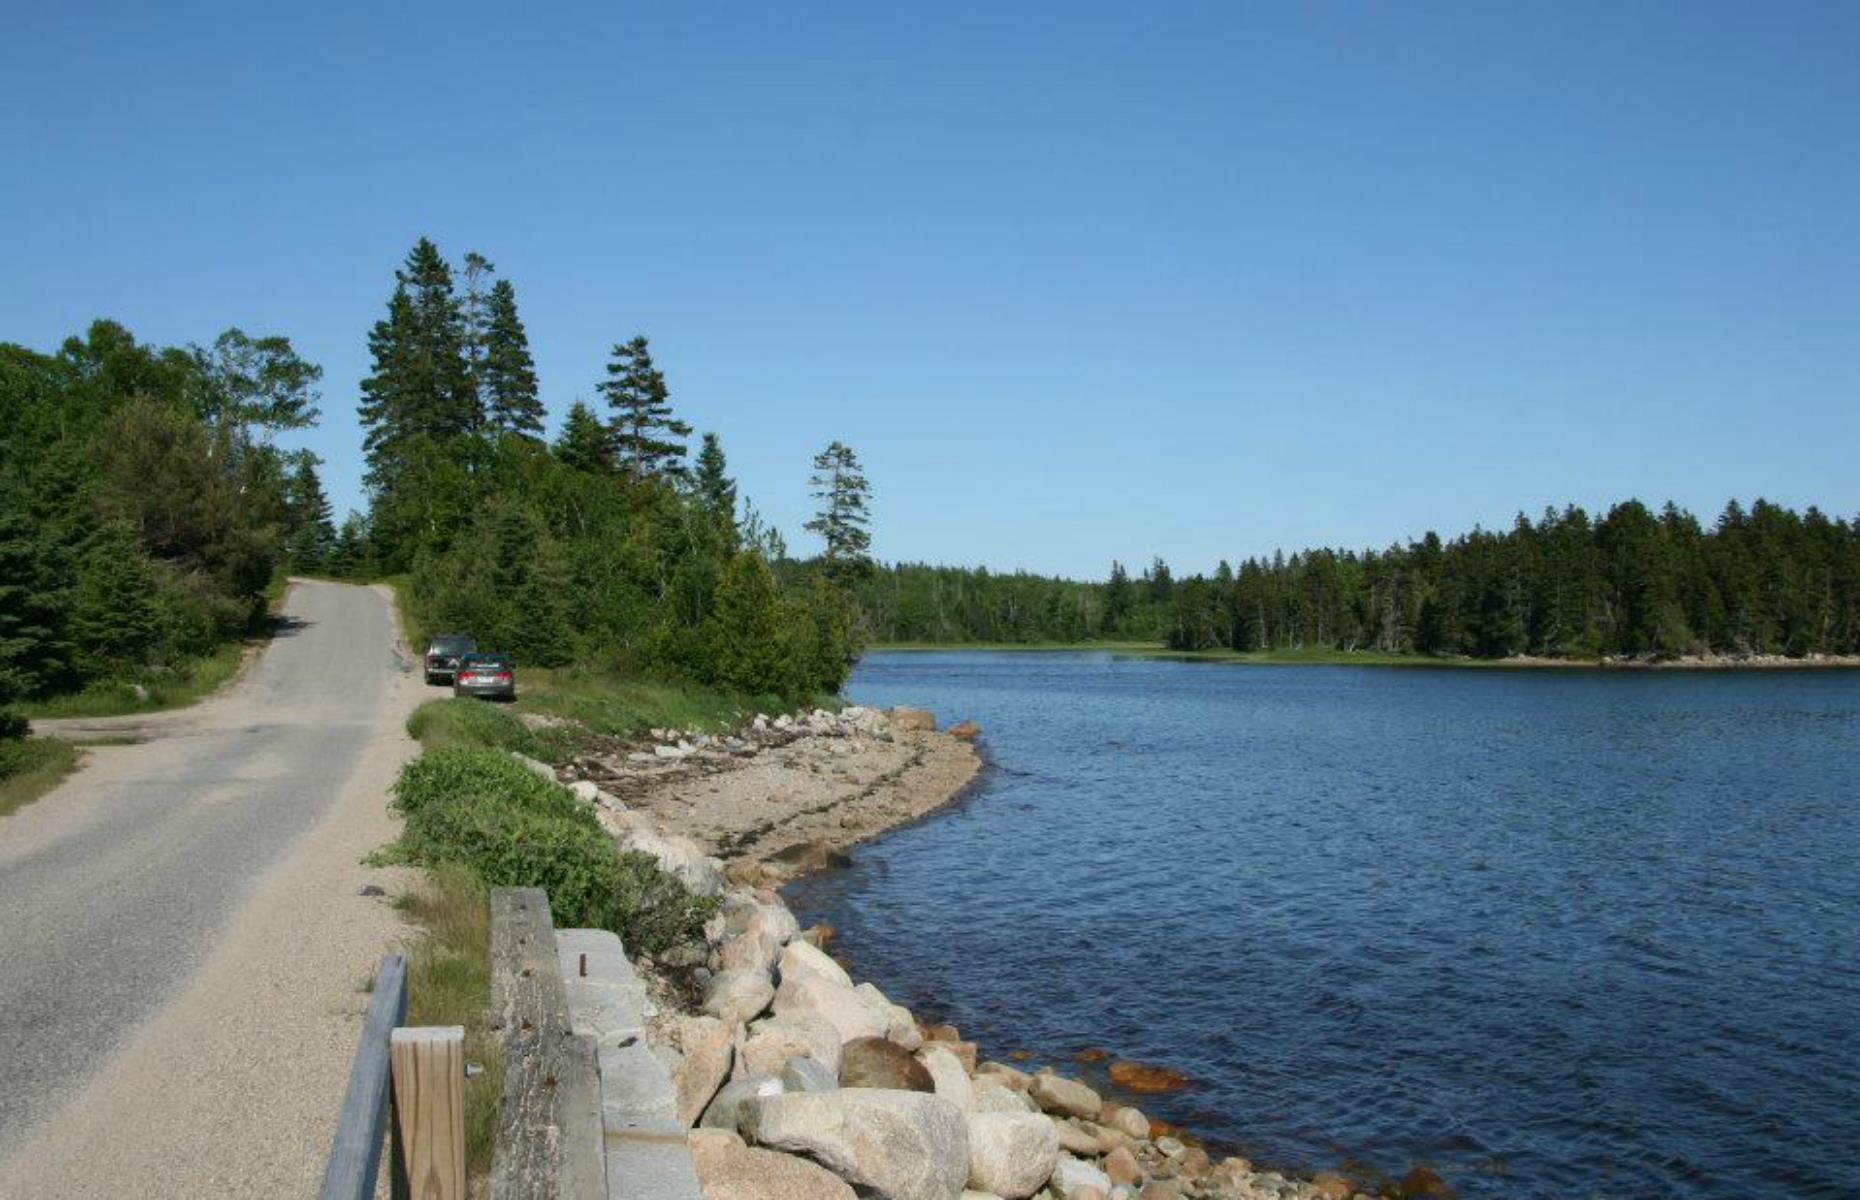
x,y
1632,583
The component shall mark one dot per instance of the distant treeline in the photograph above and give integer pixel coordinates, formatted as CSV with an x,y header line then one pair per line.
x,y
143,509
1634,582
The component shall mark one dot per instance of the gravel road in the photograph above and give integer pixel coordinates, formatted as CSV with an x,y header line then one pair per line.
x,y
185,936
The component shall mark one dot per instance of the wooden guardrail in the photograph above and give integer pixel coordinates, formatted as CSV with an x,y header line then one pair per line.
x,y
416,1076
549,1136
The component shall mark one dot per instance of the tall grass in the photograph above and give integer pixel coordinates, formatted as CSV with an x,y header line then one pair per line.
x,y
31,767
449,983
173,688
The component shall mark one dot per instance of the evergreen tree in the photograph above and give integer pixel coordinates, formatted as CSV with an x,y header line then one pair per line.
x,y
839,483
310,532
1117,596
114,621
33,652
474,321
583,444
643,430
508,373
417,401
714,485
749,646
348,558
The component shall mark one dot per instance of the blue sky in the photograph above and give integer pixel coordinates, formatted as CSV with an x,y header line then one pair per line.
x,y
1079,281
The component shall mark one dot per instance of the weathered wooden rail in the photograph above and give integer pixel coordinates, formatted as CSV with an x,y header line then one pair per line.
x,y
549,1136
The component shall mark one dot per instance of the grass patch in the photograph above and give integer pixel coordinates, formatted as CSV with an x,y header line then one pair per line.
x,y
449,983
31,767
176,688
622,707
482,810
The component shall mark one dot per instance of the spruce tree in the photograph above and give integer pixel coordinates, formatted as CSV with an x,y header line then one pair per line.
x,y
310,532
508,373
114,622
583,444
715,489
643,430
839,483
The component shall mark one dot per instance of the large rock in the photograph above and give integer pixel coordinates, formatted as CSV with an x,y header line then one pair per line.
x,y
799,960
746,951
952,1082
771,1043
1121,1165
1066,1097
728,1169
738,996
706,1048
849,1012
1010,1076
1129,1121
874,1062
991,1095
726,1107
803,1074
1011,1154
901,1145
681,857
1070,1174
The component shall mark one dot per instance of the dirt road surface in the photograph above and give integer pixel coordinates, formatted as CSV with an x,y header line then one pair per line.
x,y
185,939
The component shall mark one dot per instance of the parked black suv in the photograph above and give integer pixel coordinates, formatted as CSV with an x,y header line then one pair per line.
x,y
443,654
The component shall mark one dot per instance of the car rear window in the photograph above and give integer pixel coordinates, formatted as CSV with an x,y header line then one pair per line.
x,y
484,660
454,645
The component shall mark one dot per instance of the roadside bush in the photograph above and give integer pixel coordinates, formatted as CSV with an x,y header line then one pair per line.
x,y
480,809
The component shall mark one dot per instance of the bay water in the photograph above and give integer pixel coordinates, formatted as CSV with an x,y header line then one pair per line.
x,y
1554,933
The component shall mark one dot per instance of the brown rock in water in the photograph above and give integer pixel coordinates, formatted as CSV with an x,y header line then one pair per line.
x,y
1143,1077
1091,1054
1423,1181
942,1033
968,731
875,1062
1121,1165
727,1169
1329,1185
913,718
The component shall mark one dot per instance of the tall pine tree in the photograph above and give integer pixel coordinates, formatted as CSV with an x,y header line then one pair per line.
x,y
507,373
583,443
839,484
644,432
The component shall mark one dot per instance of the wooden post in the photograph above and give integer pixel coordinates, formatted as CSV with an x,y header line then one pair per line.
x,y
549,1133
429,1104
355,1151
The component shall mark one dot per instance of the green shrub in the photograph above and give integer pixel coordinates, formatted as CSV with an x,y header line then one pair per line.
x,y
480,809
468,722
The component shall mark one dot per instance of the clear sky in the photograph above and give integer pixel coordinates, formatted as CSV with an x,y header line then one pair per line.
x,y
1076,280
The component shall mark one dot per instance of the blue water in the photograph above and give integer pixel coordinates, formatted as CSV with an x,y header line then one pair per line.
x,y
1558,934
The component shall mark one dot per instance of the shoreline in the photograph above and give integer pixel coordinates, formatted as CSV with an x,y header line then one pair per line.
x,y
1366,658
761,1020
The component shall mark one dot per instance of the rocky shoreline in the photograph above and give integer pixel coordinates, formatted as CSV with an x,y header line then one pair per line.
x,y
797,1083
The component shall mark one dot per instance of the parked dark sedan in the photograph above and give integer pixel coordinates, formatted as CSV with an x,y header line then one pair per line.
x,y
442,656
492,676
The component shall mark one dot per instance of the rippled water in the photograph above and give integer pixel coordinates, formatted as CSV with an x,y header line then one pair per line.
x,y
1557,933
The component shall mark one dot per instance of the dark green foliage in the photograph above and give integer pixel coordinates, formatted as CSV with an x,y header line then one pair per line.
x,y
583,445
839,484
508,374
642,430
601,549
309,532
142,511
480,809
418,403
1633,584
